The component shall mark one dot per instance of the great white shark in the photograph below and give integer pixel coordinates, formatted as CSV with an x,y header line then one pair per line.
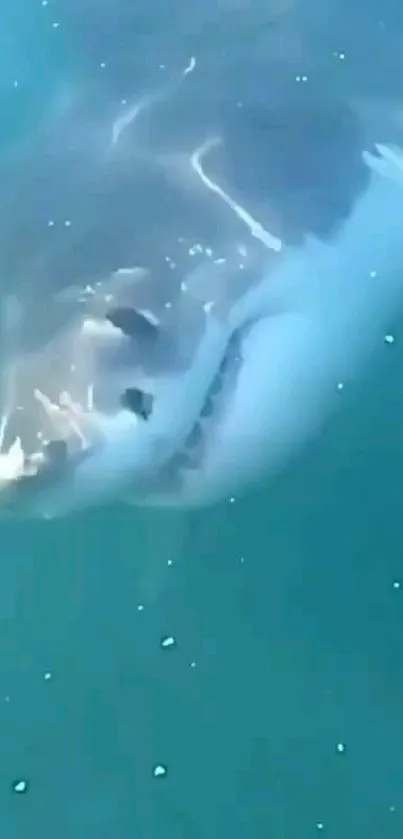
x,y
181,389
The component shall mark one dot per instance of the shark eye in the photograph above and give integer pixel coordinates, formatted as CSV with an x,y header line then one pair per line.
x,y
132,323
138,402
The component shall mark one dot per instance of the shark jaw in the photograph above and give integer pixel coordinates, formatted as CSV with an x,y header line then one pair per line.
x,y
262,387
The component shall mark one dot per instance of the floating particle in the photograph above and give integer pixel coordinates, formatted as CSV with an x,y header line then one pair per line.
x,y
373,274
340,385
140,607
341,748
47,676
168,641
196,248
191,66
208,306
389,339
320,826
160,771
396,584
20,786
192,664
232,499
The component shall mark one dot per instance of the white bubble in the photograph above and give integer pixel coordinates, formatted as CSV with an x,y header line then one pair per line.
x,y
168,641
20,786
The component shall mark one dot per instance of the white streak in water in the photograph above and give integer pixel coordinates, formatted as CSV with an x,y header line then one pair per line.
x,y
127,118
256,229
190,67
131,114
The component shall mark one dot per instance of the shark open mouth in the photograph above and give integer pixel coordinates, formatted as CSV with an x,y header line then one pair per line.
x,y
44,439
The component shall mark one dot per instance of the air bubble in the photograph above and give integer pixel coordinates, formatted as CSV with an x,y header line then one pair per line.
x,y
20,786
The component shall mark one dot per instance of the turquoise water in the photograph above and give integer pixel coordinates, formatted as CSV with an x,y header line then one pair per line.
x,y
231,673
277,709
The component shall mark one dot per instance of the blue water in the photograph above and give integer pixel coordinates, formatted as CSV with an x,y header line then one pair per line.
x,y
231,673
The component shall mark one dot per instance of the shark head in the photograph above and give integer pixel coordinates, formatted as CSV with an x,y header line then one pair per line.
x,y
179,388
183,401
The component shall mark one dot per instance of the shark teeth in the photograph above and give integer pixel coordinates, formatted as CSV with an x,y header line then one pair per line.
x,y
67,417
67,420
12,462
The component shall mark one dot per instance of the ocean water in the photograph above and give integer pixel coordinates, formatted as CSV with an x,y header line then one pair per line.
x,y
235,672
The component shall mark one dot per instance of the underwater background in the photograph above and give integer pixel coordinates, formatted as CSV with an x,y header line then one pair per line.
x,y
235,672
